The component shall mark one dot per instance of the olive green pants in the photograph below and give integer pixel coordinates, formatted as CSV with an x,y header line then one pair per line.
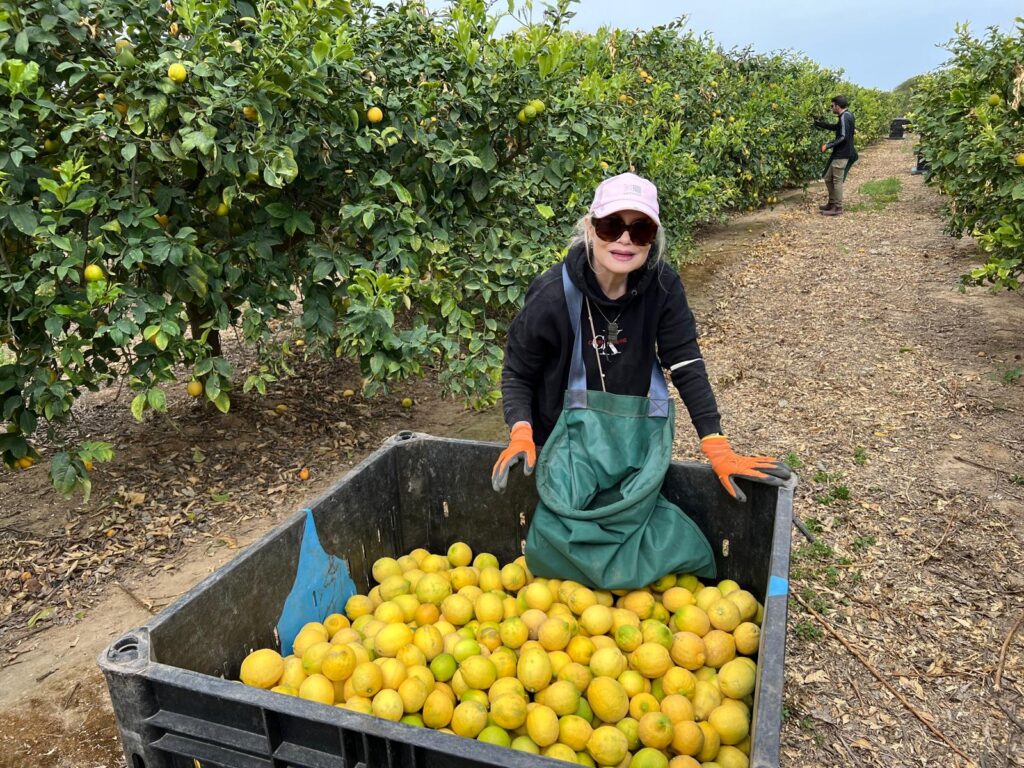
x,y
834,181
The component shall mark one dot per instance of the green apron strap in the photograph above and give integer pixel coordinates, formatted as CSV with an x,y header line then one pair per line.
x,y
577,391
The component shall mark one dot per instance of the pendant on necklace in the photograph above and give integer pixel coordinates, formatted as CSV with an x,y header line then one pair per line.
x,y
612,334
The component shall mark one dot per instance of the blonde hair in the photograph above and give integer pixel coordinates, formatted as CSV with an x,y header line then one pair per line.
x,y
581,236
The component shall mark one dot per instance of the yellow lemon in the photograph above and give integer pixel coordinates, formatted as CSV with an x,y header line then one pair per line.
x,y
736,679
692,618
388,705
651,660
317,688
688,650
366,679
641,704
596,620
581,649
393,673
580,599
509,711
607,745
391,638
655,730
628,638
262,668
554,634
287,690
374,114
393,586
413,693
678,680
534,670
745,602
463,576
634,683
677,597
525,744
313,658
428,639
358,605
724,615
338,663
705,597
706,697
711,745
460,554
730,722
677,707
542,725
731,757
687,737
293,674
720,647
469,718
559,751
478,672
177,72
640,602
561,696
574,732
607,698
747,637
494,734
457,609
608,662
335,623
433,588
577,674
513,577
648,757
488,607
438,709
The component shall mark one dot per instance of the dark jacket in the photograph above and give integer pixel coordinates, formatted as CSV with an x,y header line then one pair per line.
x,y
652,316
842,144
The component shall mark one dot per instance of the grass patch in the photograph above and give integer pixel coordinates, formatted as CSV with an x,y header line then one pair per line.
x,y
880,193
793,461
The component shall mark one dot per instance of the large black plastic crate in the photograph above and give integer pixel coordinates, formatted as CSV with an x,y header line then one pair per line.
x,y
172,683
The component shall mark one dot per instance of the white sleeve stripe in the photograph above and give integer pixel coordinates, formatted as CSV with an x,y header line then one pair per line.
x,y
685,363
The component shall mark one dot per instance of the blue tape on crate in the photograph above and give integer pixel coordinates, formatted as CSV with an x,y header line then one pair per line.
x,y
778,586
322,585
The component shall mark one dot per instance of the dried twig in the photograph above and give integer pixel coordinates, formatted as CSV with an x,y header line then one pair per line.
x,y
942,540
1002,651
71,695
878,676
138,601
981,466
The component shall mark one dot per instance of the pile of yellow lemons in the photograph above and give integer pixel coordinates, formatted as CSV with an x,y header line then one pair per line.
x,y
651,678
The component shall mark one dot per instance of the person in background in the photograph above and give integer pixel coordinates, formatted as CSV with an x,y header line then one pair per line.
x,y
843,155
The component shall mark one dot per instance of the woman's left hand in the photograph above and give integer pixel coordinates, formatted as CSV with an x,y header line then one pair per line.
x,y
728,465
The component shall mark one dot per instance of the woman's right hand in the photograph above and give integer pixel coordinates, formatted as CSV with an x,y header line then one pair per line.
x,y
520,446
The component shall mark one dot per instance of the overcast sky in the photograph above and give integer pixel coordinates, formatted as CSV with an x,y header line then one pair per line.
x,y
878,43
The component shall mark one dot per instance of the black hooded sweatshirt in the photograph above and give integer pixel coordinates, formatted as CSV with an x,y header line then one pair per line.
x,y
652,316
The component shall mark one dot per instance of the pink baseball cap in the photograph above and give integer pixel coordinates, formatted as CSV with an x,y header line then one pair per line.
x,y
626,192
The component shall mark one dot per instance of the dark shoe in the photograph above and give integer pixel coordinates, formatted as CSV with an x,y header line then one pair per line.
x,y
826,207
833,211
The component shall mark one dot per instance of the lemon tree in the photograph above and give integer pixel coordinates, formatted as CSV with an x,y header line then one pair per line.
x,y
382,182
970,117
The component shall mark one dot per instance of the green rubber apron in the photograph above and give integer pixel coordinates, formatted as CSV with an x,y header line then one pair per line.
x,y
601,519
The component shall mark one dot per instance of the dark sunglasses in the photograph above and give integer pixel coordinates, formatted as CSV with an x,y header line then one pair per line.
x,y
610,228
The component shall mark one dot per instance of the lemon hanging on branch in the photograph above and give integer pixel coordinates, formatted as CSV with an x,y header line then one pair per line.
x,y
177,72
374,115
93,273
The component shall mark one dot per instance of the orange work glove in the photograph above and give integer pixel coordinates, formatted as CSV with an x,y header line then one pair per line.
x,y
824,147
520,446
727,465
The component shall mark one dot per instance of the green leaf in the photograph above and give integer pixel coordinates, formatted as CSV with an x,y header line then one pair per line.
x,y
63,473
380,178
23,218
545,211
138,406
157,399
223,402
320,51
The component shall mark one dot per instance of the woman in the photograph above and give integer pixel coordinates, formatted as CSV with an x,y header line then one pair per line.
x,y
633,321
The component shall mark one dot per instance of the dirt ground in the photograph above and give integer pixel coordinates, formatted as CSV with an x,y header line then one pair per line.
x,y
843,344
